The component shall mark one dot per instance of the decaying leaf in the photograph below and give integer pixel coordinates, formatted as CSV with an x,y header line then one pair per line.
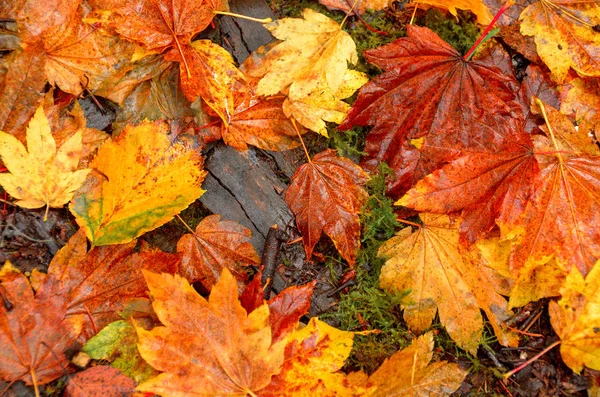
x,y
100,381
207,347
326,195
215,245
98,283
442,279
360,6
142,180
34,332
41,175
410,373
565,35
576,319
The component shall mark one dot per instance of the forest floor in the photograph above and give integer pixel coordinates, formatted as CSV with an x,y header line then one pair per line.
x,y
359,304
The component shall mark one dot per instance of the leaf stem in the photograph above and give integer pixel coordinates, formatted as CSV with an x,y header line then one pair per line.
x,y
539,102
348,13
505,7
301,140
532,359
35,383
409,223
185,224
412,18
231,14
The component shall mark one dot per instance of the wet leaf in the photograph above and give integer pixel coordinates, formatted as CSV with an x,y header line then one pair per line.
x,y
100,381
154,180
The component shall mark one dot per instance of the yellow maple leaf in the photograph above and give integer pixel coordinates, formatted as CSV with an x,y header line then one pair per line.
x,y
565,35
313,49
324,105
442,278
41,175
576,319
142,182
410,373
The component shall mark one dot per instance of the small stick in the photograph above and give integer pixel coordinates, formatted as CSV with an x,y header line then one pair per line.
x,y
532,359
270,257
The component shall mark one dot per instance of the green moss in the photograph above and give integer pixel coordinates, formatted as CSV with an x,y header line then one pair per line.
x,y
460,34
365,305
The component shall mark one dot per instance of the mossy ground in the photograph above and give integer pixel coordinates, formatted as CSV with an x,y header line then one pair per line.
x,y
365,306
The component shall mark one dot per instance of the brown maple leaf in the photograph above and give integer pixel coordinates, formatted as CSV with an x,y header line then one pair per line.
x,y
34,330
98,283
215,245
429,91
326,195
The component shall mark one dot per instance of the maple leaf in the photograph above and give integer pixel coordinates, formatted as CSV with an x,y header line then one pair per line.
x,y
99,282
409,373
313,357
442,278
153,181
323,104
313,49
207,347
34,332
41,175
484,16
326,195
285,309
215,245
100,381
207,70
560,219
582,101
565,35
429,91
488,187
575,319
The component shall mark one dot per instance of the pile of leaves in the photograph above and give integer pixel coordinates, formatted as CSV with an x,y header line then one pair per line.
x,y
496,180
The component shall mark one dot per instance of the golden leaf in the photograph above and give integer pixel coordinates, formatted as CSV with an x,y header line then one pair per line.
x,y
41,175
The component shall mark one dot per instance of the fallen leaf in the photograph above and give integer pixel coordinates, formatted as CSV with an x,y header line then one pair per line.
x,y
326,195
582,100
429,91
575,318
565,35
98,283
484,16
314,356
409,372
154,181
41,175
215,245
442,278
359,6
314,49
207,347
34,333
560,219
488,187
117,343
322,104
100,381
207,70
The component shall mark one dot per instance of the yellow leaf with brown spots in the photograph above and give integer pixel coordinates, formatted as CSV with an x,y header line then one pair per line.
x,y
41,175
443,279
314,49
576,319
141,181
565,35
